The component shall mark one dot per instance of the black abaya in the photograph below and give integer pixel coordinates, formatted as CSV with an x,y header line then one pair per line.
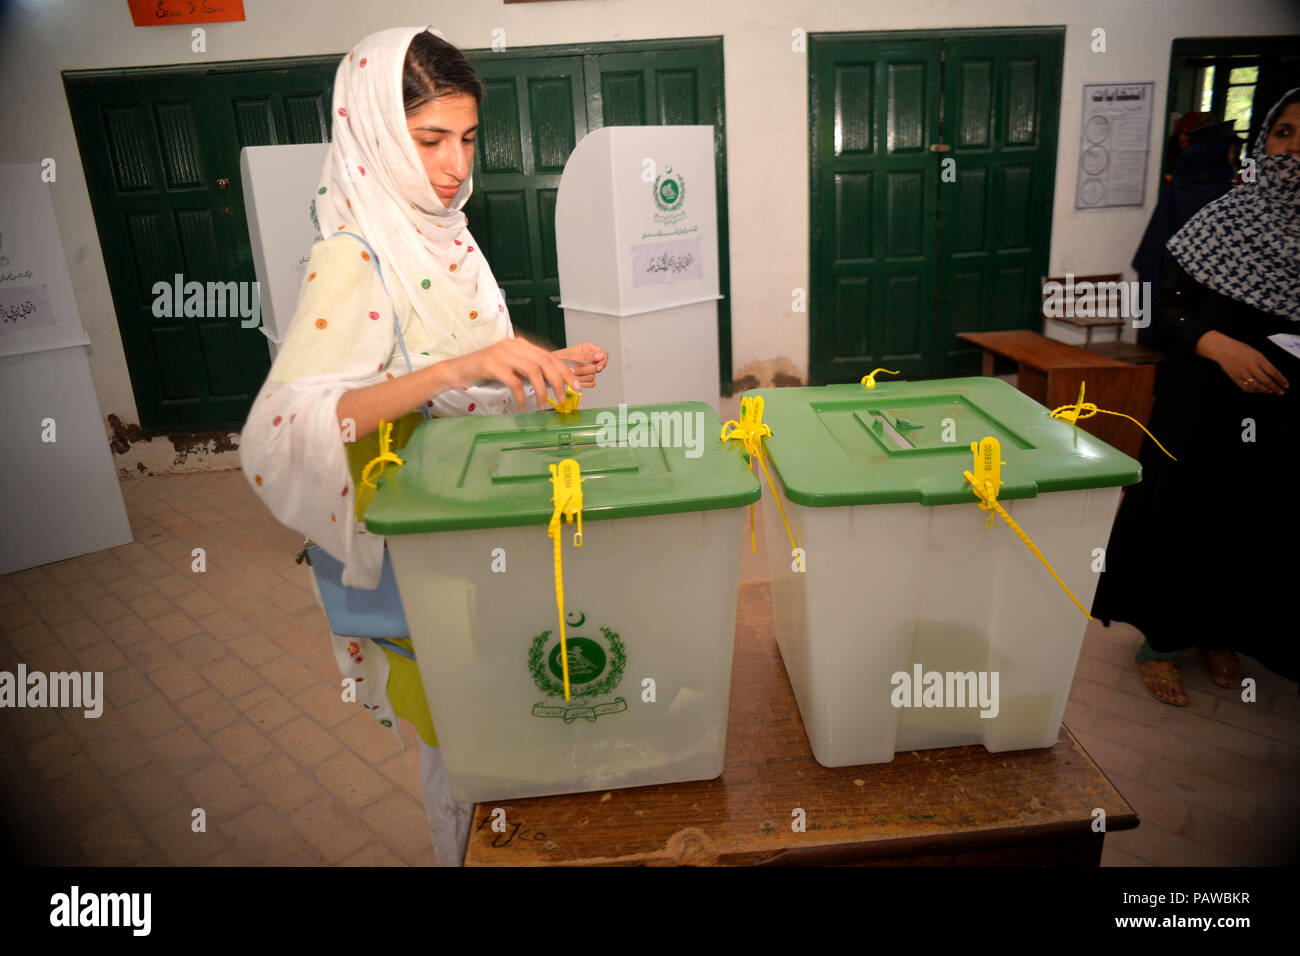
x,y
1202,552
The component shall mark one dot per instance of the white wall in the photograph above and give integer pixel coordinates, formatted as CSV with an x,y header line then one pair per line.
x,y
766,105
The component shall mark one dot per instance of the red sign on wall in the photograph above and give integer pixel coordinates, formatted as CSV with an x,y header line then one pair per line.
x,y
159,13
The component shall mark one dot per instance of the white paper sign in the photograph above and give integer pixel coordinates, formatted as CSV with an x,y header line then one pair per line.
x,y
24,306
663,263
35,288
1287,341
1114,144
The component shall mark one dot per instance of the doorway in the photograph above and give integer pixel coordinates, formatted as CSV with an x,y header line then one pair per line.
x,y
933,161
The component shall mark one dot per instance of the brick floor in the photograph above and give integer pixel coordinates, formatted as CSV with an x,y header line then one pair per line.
x,y
221,694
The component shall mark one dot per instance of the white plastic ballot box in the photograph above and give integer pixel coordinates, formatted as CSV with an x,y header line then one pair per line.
x,y
280,183
637,247
649,598
908,622
60,492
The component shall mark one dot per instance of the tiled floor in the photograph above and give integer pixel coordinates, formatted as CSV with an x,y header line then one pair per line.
x,y
222,694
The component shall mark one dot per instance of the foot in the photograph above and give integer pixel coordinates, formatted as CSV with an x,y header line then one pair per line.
x,y
1163,681
1225,668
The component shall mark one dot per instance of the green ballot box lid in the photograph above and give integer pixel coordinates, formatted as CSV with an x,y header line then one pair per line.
x,y
841,445
494,471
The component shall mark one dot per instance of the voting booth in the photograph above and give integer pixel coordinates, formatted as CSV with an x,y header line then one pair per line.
x,y
637,249
59,489
279,186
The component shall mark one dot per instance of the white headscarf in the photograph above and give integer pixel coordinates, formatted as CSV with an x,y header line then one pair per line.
x,y
374,183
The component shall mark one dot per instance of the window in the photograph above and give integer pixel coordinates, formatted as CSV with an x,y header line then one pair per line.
x,y
1240,97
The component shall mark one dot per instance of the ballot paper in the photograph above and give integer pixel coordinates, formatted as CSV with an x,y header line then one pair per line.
x,y
1287,341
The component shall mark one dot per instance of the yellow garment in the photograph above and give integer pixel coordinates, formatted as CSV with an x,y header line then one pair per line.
x,y
406,692
405,689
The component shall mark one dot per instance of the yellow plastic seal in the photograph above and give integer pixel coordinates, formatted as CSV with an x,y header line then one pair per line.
x,y
570,403
385,455
750,432
869,381
566,496
985,481
1081,409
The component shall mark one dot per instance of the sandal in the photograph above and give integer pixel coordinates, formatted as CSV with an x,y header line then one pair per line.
x,y
1164,685
1225,668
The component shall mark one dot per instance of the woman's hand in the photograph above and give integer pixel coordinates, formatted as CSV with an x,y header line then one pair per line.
x,y
510,362
590,360
1247,367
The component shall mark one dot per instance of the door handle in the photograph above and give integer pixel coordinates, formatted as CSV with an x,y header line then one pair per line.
x,y
223,183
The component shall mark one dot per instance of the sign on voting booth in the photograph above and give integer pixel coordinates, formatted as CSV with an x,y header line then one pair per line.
x,y
279,185
637,249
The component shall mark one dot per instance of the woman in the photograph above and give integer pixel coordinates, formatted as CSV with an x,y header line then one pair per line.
x,y
1200,554
1204,172
397,245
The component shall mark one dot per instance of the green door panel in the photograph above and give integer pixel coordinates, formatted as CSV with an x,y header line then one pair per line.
x,y
875,110
160,150
902,260
533,114
1001,100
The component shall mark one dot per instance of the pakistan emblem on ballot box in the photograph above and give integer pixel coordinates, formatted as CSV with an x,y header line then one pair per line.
x,y
596,667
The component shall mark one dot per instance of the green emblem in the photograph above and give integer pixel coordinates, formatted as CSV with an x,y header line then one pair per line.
x,y
586,661
669,190
596,668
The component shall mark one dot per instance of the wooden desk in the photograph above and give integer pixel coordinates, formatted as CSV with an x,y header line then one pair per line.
x,y
1130,352
1050,373
961,805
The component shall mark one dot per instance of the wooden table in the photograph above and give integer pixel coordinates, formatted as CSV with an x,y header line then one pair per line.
x,y
1050,373
961,805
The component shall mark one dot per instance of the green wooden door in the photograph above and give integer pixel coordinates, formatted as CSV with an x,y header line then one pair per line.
x,y
1000,119
875,185
901,259
160,149
532,116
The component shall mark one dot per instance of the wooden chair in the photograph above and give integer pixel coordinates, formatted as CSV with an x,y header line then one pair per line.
x,y
1087,324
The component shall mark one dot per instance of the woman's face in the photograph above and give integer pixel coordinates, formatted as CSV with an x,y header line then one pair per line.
x,y
1284,137
444,130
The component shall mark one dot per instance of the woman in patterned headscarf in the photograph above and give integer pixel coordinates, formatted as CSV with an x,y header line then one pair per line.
x,y
398,311
1202,551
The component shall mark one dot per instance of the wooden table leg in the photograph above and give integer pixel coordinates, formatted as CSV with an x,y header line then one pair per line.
x,y
986,362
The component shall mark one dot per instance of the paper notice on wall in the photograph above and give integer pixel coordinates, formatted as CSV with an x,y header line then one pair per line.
x,y
24,306
663,263
1114,145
